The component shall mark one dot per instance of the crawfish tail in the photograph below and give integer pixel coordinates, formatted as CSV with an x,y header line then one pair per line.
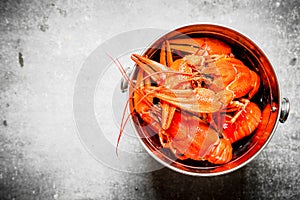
x,y
221,153
244,125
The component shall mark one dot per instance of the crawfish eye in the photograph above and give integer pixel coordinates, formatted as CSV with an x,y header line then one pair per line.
x,y
155,100
194,84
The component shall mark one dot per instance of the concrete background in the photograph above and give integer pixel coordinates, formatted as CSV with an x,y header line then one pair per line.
x,y
43,47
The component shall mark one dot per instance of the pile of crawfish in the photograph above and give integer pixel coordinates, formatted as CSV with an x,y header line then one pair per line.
x,y
197,98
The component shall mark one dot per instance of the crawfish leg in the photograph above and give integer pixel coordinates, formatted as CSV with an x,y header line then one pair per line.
x,y
245,102
167,109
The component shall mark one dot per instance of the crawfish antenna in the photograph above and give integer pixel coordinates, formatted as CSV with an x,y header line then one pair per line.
x,y
121,69
124,121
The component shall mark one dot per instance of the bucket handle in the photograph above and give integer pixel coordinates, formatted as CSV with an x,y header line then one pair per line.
x,y
124,83
285,109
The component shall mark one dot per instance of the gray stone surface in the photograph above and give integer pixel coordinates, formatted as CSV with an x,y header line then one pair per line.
x,y
42,48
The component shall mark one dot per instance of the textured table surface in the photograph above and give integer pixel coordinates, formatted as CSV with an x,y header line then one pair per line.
x,y
43,48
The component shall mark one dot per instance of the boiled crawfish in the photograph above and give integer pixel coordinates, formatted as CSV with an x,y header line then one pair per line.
x,y
207,81
188,137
